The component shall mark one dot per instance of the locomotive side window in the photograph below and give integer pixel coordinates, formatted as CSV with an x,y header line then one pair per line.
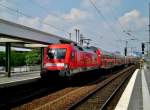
x,y
57,53
72,55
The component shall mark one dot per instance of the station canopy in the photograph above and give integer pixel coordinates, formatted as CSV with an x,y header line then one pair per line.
x,y
22,36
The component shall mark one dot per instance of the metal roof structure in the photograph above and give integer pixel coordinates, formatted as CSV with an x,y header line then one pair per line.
x,y
16,31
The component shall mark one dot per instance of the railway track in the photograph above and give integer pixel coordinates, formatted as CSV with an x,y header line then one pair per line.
x,y
103,98
56,95
76,97
17,95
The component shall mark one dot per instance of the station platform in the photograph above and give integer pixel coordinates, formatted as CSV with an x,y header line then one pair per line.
x,y
136,96
19,78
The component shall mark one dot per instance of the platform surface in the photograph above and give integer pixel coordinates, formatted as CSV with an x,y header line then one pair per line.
x,y
136,96
19,78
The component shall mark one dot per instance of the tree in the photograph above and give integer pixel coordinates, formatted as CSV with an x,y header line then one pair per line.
x,y
2,58
17,58
32,57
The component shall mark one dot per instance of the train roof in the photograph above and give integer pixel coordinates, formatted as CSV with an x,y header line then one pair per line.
x,y
62,41
88,49
103,52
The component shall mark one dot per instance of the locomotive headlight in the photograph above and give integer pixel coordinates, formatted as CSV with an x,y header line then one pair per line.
x,y
45,66
65,66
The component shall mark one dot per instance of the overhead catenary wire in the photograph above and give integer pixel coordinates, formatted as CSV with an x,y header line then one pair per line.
x,y
46,10
114,15
48,24
122,27
43,22
60,17
105,20
29,16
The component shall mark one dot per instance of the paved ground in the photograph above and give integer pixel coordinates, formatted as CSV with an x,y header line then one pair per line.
x,y
140,95
19,78
135,102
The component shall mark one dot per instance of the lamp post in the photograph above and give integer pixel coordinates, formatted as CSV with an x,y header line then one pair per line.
x,y
70,36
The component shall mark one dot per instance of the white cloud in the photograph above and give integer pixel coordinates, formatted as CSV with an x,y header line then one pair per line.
x,y
86,19
133,20
48,24
30,22
76,14
54,25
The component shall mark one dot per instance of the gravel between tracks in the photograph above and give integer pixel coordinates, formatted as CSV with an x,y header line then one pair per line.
x,y
39,102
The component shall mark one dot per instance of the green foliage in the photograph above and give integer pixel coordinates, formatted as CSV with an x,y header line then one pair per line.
x,y
32,57
18,58
21,58
2,58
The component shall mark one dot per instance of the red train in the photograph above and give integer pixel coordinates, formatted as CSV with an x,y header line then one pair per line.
x,y
68,59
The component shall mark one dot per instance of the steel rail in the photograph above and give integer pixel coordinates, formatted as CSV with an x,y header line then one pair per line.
x,y
103,107
109,80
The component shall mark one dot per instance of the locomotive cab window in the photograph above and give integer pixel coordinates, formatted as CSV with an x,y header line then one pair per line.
x,y
56,53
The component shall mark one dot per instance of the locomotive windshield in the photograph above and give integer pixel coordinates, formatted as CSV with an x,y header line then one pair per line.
x,y
56,53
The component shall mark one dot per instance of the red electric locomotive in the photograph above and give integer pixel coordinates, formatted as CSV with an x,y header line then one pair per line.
x,y
68,59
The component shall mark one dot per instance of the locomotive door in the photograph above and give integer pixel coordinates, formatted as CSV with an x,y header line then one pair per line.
x,y
73,62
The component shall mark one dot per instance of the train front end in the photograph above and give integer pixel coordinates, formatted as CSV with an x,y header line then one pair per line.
x,y
56,60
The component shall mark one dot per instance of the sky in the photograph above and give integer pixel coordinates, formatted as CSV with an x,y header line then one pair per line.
x,y
109,24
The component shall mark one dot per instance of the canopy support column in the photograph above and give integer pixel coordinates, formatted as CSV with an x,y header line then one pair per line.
x,y
8,56
42,57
